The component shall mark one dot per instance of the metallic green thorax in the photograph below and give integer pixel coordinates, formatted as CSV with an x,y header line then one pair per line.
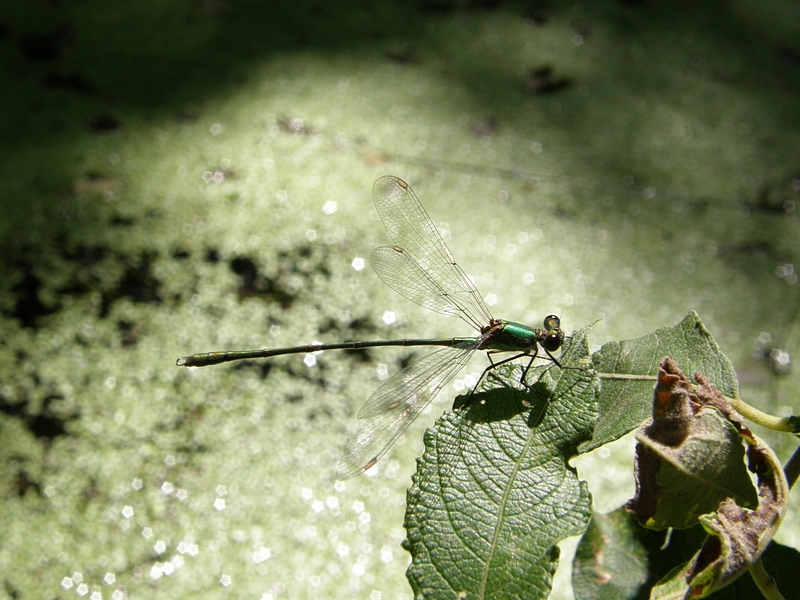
x,y
512,337
507,336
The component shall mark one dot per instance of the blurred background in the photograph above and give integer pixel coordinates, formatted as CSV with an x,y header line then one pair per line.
x,y
196,175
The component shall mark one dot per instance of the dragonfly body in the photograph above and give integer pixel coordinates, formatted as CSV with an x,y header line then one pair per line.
x,y
205,359
420,267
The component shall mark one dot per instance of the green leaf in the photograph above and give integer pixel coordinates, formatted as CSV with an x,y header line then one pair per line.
x,y
618,559
494,493
628,370
779,561
698,475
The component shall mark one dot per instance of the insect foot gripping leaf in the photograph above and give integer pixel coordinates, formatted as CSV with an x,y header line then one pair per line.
x,y
690,467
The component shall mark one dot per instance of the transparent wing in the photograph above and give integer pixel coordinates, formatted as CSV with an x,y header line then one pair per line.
x,y
419,266
408,277
395,405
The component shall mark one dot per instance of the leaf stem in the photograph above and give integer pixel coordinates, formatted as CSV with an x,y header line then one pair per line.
x,y
792,468
785,424
764,582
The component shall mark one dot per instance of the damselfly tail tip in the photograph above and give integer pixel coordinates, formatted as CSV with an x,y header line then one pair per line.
x,y
184,361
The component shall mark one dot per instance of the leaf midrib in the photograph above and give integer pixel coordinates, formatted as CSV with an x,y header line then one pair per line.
x,y
500,519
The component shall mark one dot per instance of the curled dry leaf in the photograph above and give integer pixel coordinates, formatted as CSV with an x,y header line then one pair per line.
x,y
686,419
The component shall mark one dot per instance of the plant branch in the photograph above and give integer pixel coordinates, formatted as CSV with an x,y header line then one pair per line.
x,y
785,424
792,468
764,582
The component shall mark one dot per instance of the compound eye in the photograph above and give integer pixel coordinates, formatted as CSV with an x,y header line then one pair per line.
x,y
553,341
552,323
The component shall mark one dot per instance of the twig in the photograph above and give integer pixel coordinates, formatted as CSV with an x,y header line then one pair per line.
x,y
764,582
786,424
